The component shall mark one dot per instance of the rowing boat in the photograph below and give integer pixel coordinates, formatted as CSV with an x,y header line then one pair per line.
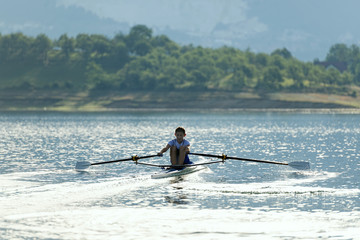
x,y
172,172
178,170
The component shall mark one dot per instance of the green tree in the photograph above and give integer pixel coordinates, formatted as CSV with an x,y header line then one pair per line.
x,y
138,60
316,77
119,54
339,53
278,61
142,47
174,77
355,57
271,80
261,59
15,47
40,48
170,47
283,53
84,44
332,76
66,44
101,45
133,73
138,40
296,73
98,78
357,74
110,54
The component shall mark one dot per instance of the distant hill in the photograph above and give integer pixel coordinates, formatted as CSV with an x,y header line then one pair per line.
x,y
307,28
54,20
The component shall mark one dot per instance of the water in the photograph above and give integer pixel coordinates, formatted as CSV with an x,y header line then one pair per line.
x,y
43,197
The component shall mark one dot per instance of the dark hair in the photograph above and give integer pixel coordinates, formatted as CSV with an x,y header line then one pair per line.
x,y
180,129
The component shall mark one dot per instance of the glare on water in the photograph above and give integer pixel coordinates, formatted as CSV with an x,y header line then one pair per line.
x,y
43,197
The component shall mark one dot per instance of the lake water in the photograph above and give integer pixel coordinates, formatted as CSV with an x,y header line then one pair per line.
x,y
43,197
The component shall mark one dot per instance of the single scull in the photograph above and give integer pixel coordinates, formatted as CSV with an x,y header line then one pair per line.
x,y
174,170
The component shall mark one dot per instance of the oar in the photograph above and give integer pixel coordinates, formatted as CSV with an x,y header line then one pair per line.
x,y
296,165
84,165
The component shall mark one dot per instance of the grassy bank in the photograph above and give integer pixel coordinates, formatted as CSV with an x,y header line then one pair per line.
x,y
57,100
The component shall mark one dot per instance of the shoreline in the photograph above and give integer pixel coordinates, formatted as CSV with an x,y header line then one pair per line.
x,y
118,101
349,111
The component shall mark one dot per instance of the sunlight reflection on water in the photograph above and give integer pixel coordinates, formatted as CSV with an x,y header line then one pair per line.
x,y
39,186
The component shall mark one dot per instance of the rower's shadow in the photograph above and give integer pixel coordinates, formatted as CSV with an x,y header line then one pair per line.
x,y
179,197
177,179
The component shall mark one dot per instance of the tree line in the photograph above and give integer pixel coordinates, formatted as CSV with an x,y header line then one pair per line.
x,y
141,61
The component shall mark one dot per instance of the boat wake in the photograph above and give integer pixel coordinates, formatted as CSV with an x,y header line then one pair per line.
x,y
292,183
34,194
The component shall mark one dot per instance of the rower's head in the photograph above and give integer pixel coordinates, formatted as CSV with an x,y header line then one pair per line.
x,y
180,130
180,133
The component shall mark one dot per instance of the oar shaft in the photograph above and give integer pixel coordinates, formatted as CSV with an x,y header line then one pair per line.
x,y
134,158
224,157
255,160
206,155
112,161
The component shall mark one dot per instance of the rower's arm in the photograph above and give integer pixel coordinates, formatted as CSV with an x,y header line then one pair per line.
x,y
164,149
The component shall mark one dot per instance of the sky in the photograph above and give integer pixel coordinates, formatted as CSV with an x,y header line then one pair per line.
x,y
197,17
307,28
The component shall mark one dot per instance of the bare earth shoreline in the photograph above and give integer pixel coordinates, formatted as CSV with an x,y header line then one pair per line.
x,y
15,100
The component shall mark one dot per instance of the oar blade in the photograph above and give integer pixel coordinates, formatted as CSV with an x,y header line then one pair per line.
x,y
300,165
80,166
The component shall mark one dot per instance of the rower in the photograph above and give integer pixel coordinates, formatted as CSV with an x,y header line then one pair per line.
x,y
179,148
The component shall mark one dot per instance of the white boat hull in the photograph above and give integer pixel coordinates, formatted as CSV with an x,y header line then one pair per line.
x,y
173,172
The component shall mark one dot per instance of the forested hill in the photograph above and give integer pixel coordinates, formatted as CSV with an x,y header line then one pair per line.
x,y
140,61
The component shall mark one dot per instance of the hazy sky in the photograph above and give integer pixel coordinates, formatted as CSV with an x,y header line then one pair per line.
x,y
204,15
197,16
306,27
